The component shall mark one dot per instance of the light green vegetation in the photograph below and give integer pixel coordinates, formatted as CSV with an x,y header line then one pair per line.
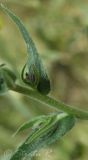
x,y
62,37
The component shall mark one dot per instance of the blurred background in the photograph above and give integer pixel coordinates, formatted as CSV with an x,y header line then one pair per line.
x,y
59,29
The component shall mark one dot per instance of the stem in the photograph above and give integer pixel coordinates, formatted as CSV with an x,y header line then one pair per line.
x,y
50,101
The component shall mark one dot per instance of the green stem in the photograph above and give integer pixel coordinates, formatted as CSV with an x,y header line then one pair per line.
x,y
50,101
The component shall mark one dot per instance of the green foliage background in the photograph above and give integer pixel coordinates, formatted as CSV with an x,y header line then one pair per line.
x,y
59,29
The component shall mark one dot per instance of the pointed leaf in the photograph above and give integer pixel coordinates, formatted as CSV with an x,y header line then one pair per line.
x,y
30,124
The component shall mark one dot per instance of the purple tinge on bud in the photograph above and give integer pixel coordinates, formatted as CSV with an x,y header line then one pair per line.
x,y
30,78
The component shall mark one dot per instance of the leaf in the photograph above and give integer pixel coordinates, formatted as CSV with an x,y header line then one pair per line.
x,y
30,123
3,85
53,128
7,78
35,76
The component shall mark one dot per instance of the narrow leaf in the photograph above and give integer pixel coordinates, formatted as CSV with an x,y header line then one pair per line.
x,y
30,123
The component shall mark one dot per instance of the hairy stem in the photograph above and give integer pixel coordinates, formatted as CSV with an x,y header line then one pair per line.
x,y
51,102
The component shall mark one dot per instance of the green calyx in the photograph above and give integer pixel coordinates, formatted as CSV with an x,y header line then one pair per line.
x,y
36,76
